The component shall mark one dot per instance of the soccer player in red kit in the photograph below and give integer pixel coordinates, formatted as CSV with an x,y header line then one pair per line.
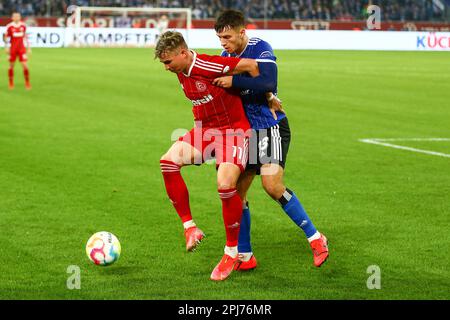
x,y
222,130
16,32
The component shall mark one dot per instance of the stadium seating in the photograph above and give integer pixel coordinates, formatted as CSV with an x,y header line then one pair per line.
x,y
344,10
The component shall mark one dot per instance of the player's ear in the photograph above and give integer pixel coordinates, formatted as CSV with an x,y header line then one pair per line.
x,y
183,52
242,32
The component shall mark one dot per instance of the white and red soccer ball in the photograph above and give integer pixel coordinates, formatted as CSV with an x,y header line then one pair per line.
x,y
103,248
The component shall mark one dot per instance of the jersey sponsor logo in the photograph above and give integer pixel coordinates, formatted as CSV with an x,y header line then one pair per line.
x,y
201,86
245,92
265,54
204,100
18,34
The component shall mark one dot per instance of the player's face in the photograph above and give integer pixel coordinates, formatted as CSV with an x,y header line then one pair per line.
x,y
175,61
232,40
16,17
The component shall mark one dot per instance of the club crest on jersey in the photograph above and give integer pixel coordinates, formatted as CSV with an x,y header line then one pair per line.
x,y
200,86
265,54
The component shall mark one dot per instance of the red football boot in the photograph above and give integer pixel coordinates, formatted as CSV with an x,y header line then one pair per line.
x,y
320,250
245,265
224,268
193,237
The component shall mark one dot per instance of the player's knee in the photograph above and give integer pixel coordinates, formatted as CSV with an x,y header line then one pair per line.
x,y
174,154
225,185
226,182
273,189
168,156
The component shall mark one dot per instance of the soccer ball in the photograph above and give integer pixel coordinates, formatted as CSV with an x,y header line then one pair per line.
x,y
103,248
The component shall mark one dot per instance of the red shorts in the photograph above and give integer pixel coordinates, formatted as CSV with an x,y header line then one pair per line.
x,y
22,54
227,147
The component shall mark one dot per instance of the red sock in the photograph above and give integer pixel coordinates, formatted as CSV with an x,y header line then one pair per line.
x,y
176,189
232,214
11,75
26,74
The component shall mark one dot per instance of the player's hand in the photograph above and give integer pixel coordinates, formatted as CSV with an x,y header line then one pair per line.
x,y
223,82
7,50
29,51
274,106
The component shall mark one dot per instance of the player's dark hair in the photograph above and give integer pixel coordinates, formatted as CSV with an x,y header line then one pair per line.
x,y
169,41
229,19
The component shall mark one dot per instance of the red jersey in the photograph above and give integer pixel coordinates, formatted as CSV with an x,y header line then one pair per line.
x,y
17,33
215,107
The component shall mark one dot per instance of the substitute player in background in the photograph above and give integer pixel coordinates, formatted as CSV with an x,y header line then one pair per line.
x,y
16,47
272,148
221,129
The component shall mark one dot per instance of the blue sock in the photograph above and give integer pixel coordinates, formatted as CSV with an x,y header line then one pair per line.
x,y
294,209
244,232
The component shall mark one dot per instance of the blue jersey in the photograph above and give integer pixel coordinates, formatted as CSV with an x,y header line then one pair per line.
x,y
255,102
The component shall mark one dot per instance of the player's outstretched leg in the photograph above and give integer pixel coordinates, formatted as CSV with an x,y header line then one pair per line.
x,y
294,209
273,184
227,176
178,193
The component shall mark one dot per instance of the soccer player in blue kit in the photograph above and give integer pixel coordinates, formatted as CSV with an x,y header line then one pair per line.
x,y
267,158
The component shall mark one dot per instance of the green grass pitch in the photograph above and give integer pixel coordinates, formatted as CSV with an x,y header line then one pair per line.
x,y
80,153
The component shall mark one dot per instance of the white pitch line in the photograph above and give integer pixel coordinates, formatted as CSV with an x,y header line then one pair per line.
x,y
390,145
411,139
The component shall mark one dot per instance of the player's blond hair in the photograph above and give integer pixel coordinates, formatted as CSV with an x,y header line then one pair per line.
x,y
169,41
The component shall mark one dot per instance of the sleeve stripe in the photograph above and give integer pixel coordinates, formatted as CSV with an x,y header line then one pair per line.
x,y
198,64
203,63
265,60
207,69
210,63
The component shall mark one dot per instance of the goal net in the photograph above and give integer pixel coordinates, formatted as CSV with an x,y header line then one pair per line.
x,y
113,26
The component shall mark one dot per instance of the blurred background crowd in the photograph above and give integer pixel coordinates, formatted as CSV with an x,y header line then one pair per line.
x,y
343,10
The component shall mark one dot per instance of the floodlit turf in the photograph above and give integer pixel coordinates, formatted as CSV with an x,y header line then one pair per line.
x,y
80,153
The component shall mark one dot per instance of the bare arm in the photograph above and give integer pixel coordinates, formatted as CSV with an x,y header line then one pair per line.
x,y
263,78
246,65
